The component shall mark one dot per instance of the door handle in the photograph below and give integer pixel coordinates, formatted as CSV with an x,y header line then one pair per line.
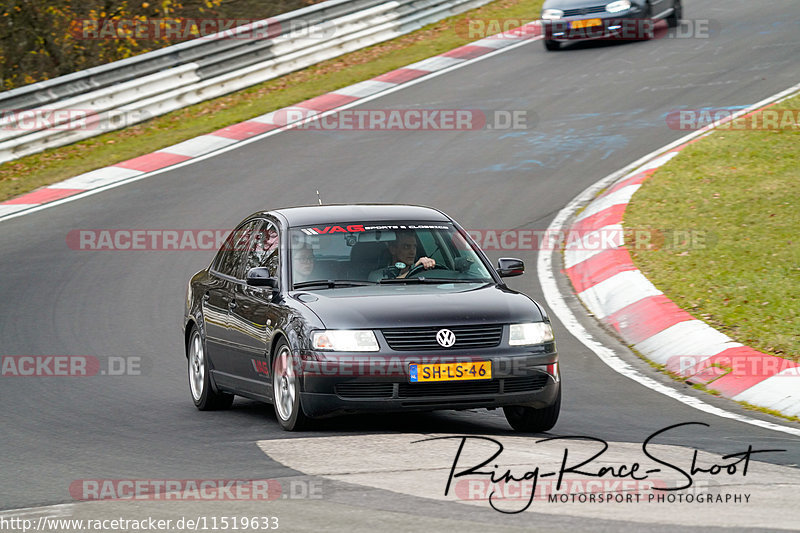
x,y
232,304
206,296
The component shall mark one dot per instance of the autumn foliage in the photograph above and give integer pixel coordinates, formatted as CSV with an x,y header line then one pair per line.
x,y
43,39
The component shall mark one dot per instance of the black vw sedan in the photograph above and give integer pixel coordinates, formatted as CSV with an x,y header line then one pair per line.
x,y
580,20
326,310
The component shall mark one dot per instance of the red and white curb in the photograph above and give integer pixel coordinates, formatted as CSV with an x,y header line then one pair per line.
x,y
238,134
621,297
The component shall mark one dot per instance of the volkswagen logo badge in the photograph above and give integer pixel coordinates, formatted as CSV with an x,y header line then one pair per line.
x,y
445,338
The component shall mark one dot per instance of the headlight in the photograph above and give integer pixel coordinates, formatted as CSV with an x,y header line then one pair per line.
x,y
529,334
620,5
552,14
344,340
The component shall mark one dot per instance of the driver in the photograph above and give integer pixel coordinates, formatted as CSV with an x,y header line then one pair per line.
x,y
404,253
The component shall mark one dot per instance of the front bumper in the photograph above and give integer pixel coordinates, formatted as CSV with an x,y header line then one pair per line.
x,y
629,26
381,383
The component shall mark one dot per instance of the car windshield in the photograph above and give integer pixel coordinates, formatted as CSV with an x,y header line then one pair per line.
x,y
338,254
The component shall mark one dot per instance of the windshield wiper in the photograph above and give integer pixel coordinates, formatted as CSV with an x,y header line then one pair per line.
x,y
423,279
332,283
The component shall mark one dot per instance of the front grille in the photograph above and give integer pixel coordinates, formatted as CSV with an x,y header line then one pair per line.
x,y
406,339
526,383
365,390
584,11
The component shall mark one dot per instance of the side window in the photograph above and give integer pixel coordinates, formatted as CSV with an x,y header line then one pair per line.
x,y
264,249
229,258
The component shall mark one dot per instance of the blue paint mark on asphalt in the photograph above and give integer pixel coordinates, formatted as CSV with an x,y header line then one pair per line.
x,y
552,151
513,134
570,142
534,161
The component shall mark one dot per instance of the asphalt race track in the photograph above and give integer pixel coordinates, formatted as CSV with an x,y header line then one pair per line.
x,y
592,109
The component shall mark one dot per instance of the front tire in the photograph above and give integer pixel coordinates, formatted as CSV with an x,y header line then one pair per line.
x,y
552,46
529,420
203,394
286,389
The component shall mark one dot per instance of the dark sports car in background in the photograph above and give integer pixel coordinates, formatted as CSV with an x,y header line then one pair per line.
x,y
580,20
326,310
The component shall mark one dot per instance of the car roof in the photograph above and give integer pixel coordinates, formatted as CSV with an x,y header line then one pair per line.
x,y
357,213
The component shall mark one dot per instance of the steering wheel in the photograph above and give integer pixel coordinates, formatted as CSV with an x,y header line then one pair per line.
x,y
417,268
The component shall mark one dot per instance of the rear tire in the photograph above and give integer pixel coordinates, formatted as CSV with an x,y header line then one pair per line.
x,y
648,23
552,46
529,420
675,18
203,394
286,389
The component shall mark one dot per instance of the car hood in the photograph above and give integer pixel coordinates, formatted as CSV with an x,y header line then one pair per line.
x,y
393,305
573,4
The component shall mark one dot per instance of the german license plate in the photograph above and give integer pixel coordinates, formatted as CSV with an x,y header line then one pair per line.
x,y
586,23
450,371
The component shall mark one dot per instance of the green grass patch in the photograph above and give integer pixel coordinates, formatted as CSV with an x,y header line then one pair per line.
x,y
773,412
701,387
28,173
737,192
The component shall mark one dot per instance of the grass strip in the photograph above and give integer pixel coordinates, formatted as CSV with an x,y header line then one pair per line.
x,y
737,193
37,170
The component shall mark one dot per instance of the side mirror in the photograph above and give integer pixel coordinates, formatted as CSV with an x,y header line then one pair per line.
x,y
509,267
259,277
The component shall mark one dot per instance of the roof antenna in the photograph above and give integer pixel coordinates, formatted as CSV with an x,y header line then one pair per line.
x,y
319,197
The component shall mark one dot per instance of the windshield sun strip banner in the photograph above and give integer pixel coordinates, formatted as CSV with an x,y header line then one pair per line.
x,y
359,228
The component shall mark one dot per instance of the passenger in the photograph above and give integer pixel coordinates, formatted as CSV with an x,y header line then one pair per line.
x,y
303,263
